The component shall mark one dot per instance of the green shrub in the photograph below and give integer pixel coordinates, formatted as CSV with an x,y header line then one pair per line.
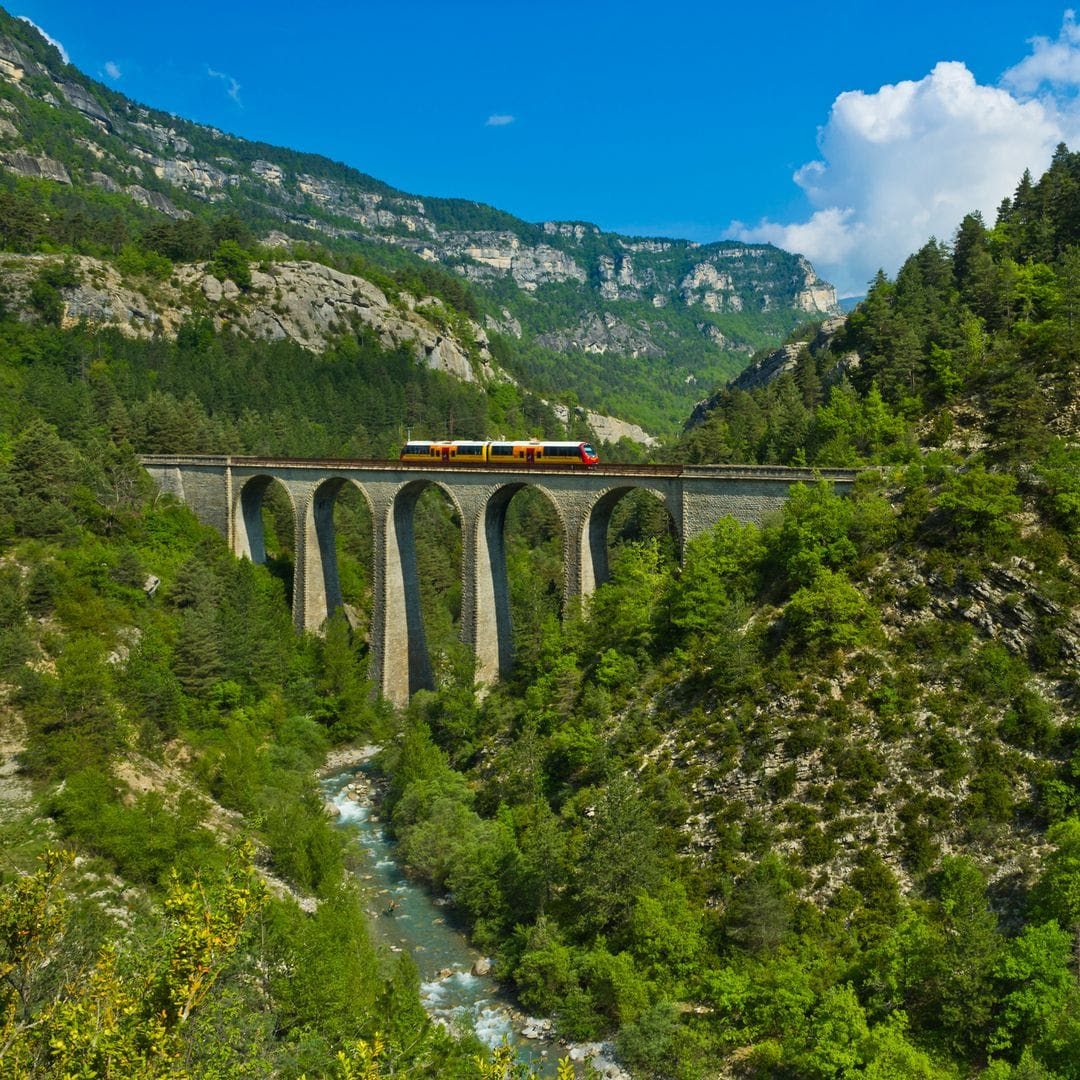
x,y
829,614
1028,723
232,262
993,673
647,1043
136,262
981,505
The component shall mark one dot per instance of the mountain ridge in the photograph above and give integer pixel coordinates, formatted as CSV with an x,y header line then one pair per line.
x,y
570,300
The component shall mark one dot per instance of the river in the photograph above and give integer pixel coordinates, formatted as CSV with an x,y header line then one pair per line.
x,y
405,917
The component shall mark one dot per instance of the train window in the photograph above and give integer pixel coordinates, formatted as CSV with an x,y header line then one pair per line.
x,y
503,449
589,450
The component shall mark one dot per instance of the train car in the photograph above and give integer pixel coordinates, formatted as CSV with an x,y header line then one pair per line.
x,y
504,452
421,451
445,452
468,453
537,452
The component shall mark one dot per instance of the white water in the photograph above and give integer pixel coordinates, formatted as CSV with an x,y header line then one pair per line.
x,y
418,925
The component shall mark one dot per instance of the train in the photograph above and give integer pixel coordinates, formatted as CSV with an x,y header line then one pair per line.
x,y
506,452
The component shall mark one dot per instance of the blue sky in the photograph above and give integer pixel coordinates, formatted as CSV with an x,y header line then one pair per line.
x,y
850,132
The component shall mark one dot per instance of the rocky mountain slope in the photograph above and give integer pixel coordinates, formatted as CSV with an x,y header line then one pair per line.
x,y
570,300
305,302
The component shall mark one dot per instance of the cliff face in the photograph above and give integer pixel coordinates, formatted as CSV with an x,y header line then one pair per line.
x,y
567,287
305,302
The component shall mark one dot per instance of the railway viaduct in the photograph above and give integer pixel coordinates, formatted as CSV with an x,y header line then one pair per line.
x,y
227,493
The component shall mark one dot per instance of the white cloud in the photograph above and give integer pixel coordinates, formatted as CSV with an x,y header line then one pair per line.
x,y
1053,62
232,87
908,161
112,69
49,38
499,120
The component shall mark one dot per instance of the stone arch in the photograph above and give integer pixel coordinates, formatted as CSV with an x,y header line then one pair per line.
x,y
493,632
406,660
595,568
249,540
321,579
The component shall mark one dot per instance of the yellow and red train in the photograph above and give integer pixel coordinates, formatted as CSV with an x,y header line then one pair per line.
x,y
506,452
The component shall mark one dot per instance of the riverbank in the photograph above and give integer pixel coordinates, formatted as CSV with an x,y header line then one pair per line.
x,y
456,986
341,759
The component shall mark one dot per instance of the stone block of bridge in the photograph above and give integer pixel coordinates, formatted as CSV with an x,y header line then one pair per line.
x,y
200,482
750,494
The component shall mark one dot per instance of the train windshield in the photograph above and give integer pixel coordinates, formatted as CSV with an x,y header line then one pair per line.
x,y
588,450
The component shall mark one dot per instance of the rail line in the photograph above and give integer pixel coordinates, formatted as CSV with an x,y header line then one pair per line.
x,y
777,472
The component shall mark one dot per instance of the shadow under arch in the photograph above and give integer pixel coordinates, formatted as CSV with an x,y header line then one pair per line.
x,y
596,567
494,640
249,534
322,578
405,643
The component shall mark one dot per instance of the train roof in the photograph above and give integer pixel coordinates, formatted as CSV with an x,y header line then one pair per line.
x,y
516,442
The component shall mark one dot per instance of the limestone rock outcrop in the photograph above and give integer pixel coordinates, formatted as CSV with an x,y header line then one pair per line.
x,y
604,333
40,168
815,296
86,104
493,254
786,358
771,366
305,302
605,428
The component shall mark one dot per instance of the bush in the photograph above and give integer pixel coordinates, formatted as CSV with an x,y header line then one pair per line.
x,y
829,614
980,504
993,673
1028,722
136,262
146,838
647,1043
232,261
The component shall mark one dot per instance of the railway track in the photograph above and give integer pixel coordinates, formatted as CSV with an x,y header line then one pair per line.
x,y
779,472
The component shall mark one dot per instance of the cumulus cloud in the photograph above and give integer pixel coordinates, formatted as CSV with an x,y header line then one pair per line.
x,y
49,38
909,160
498,120
232,87
1054,62
112,69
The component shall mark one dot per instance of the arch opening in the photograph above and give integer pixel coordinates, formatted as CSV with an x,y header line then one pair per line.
x,y
624,516
526,544
266,530
355,543
340,555
428,538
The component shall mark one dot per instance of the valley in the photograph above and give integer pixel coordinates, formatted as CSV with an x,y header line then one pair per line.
x,y
791,793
